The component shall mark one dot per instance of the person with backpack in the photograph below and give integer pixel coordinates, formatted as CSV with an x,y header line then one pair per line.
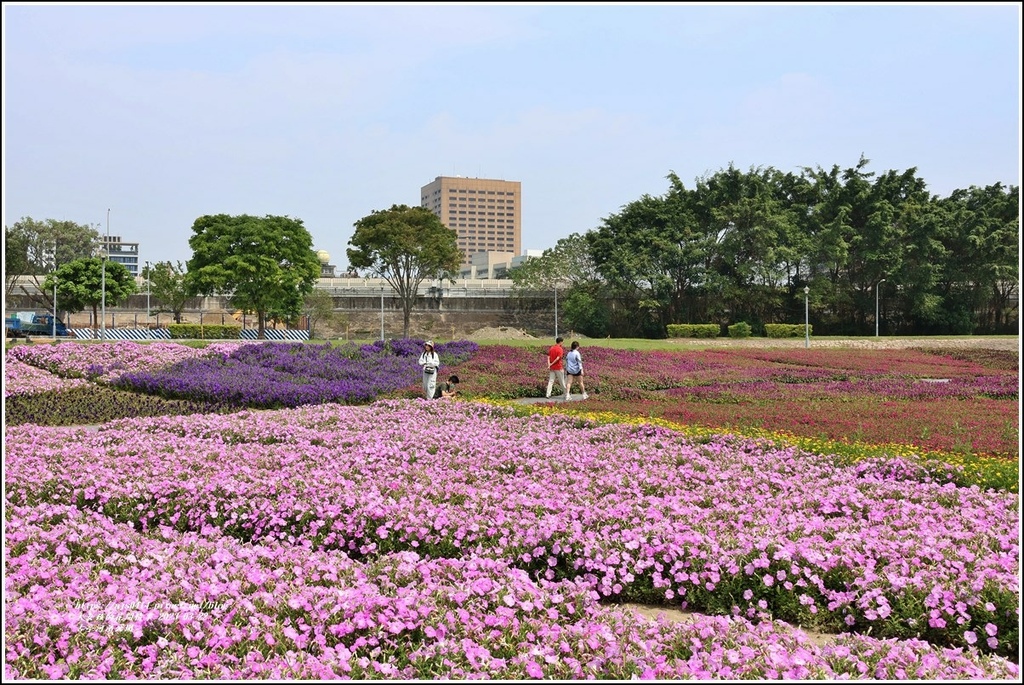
x,y
574,370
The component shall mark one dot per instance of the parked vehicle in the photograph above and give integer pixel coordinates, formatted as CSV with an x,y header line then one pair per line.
x,y
25,324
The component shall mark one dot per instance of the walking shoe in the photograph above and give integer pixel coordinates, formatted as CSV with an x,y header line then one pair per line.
x,y
585,395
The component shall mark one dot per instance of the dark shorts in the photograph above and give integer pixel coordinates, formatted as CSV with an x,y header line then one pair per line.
x,y
576,375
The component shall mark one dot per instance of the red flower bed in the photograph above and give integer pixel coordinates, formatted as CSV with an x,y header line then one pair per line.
x,y
804,399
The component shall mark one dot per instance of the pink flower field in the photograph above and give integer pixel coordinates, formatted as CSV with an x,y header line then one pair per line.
x,y
407,539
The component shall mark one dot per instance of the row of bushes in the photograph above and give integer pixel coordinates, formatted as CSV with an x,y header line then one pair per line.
x,y
737,330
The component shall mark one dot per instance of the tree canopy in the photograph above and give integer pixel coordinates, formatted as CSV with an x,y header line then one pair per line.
x,y
82,284
741,246
167,289
404,246
267,264
568,270
35,248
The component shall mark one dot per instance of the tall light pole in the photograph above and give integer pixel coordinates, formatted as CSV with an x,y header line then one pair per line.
x,y
382,314
103,282
149,277
807,317
54,326
876,305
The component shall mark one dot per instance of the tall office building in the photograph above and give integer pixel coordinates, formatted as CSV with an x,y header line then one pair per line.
x,y
486,214
119,251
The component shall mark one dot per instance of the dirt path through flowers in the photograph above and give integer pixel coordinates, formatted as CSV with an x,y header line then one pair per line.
x,y
651,612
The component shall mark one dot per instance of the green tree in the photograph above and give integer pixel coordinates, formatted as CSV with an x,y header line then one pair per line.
x,y
567,270
566,265
654,256
755,253
318,307
82,284
267,264
36,248
404,246
167,287
979,269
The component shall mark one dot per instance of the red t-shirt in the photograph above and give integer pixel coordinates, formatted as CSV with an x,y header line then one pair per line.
x,y
555,356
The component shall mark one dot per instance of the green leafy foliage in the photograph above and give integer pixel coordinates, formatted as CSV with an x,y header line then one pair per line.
x,y
268,263
90,282
404,246
167,288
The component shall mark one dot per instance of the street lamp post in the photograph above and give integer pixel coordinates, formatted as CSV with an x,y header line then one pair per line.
x,y
382,314
149,277
103,282
876,305
54,322
807,317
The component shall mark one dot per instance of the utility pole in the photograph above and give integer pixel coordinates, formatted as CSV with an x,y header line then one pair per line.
x,y
103,282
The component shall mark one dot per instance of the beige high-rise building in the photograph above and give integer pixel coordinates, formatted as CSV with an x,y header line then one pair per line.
x,y
486,214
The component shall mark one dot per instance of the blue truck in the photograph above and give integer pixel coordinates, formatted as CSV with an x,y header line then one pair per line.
x,y
26,324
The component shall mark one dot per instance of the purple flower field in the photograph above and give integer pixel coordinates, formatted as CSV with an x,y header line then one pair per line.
x,y
246,374
407,539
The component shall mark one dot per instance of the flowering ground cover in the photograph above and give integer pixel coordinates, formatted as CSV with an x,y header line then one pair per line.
x,y
330,540
499,541
244,374
934,402
24,379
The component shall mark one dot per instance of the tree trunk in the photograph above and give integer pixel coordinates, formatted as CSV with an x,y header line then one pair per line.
x,y
262,325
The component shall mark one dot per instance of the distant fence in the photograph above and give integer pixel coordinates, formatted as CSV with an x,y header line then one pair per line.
x,y
165,334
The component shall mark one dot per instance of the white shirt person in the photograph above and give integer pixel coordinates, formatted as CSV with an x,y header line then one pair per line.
x,y
430,363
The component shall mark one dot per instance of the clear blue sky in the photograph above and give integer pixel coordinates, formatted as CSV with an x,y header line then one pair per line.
x,y
325,112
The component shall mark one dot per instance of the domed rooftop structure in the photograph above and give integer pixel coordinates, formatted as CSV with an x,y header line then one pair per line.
x,y
323,256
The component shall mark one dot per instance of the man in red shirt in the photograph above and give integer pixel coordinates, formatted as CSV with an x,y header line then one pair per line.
x,y
556,356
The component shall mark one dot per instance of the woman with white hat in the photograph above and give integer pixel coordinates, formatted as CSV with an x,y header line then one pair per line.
x,y
430,363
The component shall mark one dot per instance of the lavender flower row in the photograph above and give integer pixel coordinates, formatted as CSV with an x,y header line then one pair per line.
x,y
284,375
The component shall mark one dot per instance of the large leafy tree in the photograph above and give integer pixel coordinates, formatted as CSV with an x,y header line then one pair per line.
x,y
755,251
82,284
167,287
267,264
35,248
567,270
653,254
404,246
980,235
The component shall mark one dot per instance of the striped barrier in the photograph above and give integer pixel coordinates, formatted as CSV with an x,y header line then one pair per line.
x,y
122,334
272,334
165,334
